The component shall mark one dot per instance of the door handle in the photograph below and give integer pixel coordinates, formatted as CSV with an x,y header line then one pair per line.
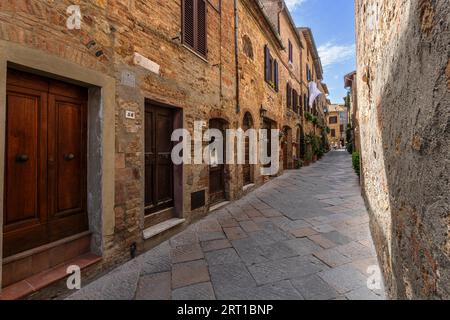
x,y
22,158
69,157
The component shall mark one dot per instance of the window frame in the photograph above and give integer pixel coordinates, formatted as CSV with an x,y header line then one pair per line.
x,y
196,35
333,117
290,52
271,71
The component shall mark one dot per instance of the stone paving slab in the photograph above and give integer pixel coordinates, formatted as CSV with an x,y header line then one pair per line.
x,y
303,235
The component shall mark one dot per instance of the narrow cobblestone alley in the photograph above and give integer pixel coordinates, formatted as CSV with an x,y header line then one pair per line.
x,y
304,235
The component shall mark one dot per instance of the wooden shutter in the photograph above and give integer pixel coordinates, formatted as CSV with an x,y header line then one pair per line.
x,y
188,23
288,96
291,53
295,98
276,76
266,63
201,27
194,25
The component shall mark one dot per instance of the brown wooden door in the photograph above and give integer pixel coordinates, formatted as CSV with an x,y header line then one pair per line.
x,y
284,147
45,163
247,168
267,125
158,161
217,172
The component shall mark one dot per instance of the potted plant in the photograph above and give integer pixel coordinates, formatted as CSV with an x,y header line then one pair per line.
x,y
308,156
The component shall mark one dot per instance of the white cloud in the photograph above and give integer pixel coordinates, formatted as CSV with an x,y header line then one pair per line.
x,y
332,54
292,4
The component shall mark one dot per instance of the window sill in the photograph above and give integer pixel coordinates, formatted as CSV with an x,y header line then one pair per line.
x,y
270,87
198,55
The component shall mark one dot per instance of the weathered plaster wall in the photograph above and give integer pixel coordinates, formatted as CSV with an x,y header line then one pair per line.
x,y
403,50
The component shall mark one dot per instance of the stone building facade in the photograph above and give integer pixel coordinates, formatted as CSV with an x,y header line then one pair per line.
x,y
335,119
403,86
144,69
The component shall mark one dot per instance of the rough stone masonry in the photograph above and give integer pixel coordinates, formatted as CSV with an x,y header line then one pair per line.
x,y
403,50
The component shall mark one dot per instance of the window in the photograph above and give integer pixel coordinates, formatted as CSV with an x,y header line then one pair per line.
x,y
333,133
295,98
342,128
333,120
194,25
247,46
291,52
308,73
289,96
270,69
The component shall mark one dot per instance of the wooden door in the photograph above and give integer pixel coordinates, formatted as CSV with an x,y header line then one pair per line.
x,y
267,125
217,172
45,163
158,162
247,168
284,146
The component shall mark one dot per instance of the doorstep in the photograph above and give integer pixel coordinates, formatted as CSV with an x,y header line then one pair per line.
x,y
248,186
41,280
161,227
218,206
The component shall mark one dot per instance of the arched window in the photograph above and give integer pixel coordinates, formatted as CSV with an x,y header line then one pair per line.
x,y
247,46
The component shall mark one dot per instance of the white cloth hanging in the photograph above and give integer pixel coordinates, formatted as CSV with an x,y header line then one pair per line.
x,y
314,92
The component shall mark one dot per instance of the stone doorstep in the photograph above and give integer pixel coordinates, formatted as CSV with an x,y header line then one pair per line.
x,y
248,187
41,280
161,227
218,206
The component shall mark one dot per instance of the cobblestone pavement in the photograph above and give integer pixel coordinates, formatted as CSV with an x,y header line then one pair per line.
x,y
304,235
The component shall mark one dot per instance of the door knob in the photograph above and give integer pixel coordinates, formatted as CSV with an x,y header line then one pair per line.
x,y
69,157
22,158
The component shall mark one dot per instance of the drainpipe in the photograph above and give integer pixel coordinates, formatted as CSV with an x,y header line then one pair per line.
x,y
236,55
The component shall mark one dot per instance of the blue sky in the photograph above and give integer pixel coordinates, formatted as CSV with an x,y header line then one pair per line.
x,y
333,25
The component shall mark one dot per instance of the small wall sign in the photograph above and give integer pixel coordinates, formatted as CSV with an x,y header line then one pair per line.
x,y
130,114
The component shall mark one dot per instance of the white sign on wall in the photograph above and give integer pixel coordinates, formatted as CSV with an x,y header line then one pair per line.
x,y
145,63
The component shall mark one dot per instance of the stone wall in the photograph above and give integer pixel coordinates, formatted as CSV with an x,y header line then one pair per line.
x,y
403,51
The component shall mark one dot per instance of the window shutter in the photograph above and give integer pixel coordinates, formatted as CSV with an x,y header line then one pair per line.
x,y
290,51
201,27
276,77
188,23
266,64
288,96
295,98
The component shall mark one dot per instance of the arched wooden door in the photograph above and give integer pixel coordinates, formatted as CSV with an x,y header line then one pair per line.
x,y
247,168
217,175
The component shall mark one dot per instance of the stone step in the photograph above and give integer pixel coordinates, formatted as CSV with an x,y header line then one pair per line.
x,y
218,206
161,227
